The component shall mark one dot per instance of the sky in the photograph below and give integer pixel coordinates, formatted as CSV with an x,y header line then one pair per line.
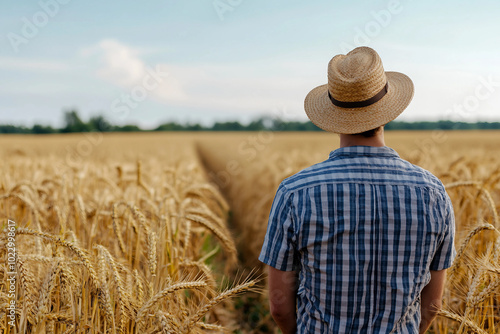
x,y
202,61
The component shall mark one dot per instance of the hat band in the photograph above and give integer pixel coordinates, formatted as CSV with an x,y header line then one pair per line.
x,y
360,104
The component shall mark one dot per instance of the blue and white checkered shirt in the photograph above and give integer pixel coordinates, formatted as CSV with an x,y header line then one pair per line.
x,y
362,229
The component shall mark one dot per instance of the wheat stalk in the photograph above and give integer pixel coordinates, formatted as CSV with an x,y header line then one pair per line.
x,y
168,322
103,290
484,191
193,320
462,320
122,304
81,254
227,241
164,294
116,229
49,283
460,253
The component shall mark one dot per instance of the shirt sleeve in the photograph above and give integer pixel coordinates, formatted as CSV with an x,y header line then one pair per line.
x,y
445,253
278,250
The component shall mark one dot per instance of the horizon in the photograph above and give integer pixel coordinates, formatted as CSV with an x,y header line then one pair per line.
x,y
99,123
217,61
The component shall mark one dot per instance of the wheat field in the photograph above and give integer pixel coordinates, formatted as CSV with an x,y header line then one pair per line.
x,y
160,232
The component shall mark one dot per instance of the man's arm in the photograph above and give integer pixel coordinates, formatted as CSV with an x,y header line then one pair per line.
x,y
430,299
282,299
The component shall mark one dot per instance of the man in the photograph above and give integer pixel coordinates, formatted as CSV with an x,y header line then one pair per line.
x,y
358,243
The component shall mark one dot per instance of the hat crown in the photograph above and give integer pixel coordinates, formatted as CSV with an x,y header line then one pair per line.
x,y
357,76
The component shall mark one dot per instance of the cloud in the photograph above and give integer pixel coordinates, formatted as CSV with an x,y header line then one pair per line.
x,y
122,66
121,63
233,89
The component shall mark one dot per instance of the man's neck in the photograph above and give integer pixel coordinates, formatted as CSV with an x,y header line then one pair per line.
x,y
359,140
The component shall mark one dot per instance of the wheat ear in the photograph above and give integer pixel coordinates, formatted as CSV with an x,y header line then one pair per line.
x,y
452,271
27,282
103,290
124,310
140,287
191,322
168,322
227,241
212,327
453,316
152,256
81,254
489,290
163,294
48,286
199,189
483,190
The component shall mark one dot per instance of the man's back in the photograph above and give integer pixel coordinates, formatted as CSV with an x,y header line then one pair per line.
x,y
362,229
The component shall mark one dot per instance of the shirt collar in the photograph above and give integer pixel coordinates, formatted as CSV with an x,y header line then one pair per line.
x,y
357,151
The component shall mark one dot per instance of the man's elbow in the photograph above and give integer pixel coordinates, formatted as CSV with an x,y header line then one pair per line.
x,y
278,316
283,318
282,312
432,308
277,311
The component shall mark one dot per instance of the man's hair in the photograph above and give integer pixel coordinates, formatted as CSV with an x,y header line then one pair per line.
x,y
369,133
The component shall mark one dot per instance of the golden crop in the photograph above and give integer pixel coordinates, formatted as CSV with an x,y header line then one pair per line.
x,y
118,242
131,233
468,163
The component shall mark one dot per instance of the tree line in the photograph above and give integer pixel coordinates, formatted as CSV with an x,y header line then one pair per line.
x,y
73,123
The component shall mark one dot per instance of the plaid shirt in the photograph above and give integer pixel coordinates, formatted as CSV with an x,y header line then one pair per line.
x,y
362,229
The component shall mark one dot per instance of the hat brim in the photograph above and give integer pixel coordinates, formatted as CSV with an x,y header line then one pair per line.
x,y
327,116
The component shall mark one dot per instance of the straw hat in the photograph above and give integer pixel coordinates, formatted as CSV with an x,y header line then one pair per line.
x,y
360,95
